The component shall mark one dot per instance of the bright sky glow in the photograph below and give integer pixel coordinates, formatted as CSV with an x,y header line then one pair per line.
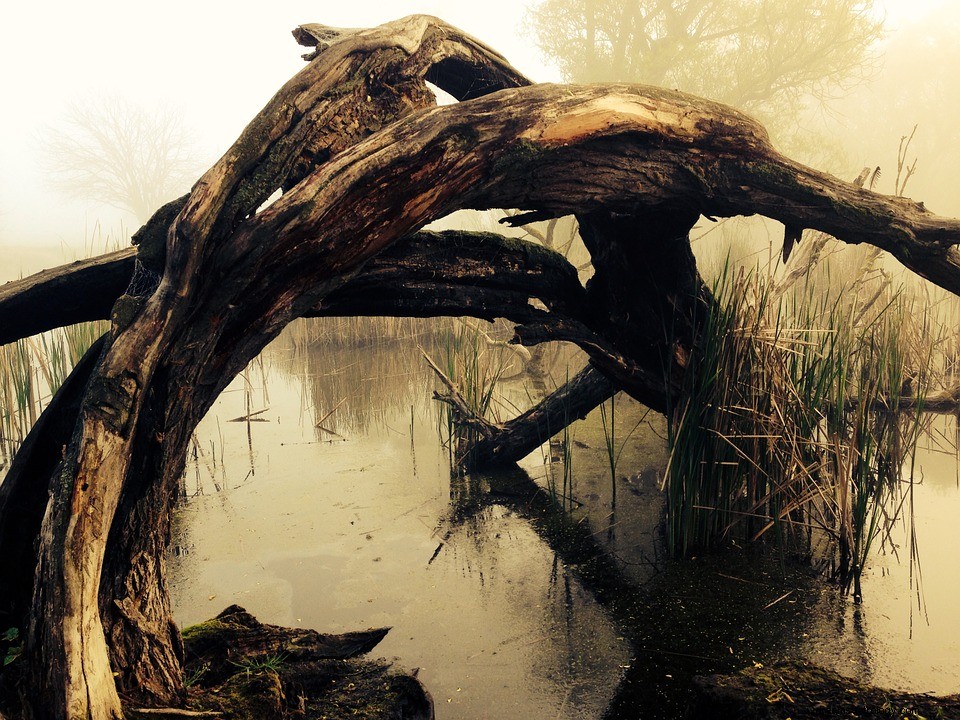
x,y
216,62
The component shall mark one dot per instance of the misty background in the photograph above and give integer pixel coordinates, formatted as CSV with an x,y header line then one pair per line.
x,y
180,81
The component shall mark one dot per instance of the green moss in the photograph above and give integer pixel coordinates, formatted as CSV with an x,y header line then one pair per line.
x,y
206,629
519,156
253,696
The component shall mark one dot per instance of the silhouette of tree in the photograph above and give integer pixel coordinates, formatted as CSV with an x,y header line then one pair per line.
x,y
121,154
763,56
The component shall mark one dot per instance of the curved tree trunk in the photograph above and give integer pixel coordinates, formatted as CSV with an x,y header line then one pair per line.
x,y
164,368
364,162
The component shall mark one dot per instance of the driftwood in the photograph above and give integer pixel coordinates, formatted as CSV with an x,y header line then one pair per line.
x,y
220,644
364,160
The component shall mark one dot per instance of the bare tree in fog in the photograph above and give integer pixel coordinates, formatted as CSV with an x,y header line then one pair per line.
x,y
918,87
124,155
763,56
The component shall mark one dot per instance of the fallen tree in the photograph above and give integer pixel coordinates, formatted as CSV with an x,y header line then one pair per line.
x,y
364,160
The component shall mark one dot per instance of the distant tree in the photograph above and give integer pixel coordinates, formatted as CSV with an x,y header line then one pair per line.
x,y
121,154
917,86
764,56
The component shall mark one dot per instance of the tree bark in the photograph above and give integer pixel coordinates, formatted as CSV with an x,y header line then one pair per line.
x,y
79,292
137,410
517,438
25,489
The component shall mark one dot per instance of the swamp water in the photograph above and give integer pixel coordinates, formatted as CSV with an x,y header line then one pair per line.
x,y
509,608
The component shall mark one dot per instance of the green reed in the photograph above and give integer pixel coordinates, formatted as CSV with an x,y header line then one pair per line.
x,y
475,366
31,371
798,416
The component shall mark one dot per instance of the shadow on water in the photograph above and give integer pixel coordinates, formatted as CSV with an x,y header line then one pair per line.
x,y
514,600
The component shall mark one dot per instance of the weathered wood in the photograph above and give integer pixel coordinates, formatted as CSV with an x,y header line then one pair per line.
x,y
157,353
248,670
517,438
79,292
427,274
24,490
235,635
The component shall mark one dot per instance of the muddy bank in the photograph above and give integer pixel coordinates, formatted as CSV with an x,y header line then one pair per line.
x,y
238,668
801,691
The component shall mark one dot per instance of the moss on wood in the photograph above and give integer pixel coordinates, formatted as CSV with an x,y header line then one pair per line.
x,y
246,682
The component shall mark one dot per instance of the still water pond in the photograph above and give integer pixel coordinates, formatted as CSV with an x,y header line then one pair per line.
x,y
357,524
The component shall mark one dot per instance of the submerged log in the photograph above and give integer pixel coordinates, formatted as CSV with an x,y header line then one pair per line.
x,y
504,444
800,691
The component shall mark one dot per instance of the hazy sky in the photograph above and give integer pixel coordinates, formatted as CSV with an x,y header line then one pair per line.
x,y
216,62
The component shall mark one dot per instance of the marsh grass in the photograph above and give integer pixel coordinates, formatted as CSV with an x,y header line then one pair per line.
x,y
799,420
353,332
476,367
613,451
558,452
31,371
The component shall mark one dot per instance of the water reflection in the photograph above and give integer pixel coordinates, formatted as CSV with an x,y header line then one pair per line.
x,y
511,607
370,531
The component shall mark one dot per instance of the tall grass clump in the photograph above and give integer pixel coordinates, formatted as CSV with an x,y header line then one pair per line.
x,y
472,368
31,371
799,415
19,391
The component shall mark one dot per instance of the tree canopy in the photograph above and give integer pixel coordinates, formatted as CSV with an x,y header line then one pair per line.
x,y
757,55
114,152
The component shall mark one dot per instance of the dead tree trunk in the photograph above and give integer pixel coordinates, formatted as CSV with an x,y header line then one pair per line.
x,y
364,162
171,354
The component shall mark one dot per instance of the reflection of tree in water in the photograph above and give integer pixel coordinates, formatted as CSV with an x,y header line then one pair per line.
x,y
573,645
364,370
704,616
680,621
366,367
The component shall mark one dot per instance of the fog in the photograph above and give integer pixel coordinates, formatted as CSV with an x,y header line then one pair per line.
x,y
214,65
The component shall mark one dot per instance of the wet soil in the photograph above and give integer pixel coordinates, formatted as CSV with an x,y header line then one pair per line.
x,y
801,691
